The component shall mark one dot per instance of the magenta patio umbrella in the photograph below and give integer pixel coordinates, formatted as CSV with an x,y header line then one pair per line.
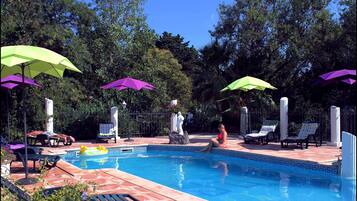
x,y
349,81
128,83
13,81
9,83
346,76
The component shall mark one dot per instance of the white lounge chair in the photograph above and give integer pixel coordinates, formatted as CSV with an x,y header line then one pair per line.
x,y
269,126
106,132
306,130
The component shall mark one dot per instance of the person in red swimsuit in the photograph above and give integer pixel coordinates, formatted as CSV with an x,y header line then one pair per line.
x,y
220,141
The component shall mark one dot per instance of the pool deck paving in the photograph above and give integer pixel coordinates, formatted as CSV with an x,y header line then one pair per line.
x,y
106,181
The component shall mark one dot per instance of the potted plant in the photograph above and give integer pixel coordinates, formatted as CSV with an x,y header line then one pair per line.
x,y
6,158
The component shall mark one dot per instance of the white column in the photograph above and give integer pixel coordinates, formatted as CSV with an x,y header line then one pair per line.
x,y
284,118
335,126
243,120
173,126
348,155
49,115
114,120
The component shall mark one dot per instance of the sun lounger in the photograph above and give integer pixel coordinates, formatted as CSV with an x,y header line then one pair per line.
x,y
306,130
34,154
106,132
100,197
113,197
269,126
47,139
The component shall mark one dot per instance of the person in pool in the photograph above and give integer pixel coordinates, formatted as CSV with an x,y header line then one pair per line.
x,y
220,141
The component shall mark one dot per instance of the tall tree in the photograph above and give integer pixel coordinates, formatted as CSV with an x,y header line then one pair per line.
x,y
287,43
102,39
163,70
186,55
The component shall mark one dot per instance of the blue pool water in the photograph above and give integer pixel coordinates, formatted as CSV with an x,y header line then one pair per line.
x,y
223,178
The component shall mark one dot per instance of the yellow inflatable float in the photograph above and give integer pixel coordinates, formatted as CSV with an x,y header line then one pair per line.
x,y
100,150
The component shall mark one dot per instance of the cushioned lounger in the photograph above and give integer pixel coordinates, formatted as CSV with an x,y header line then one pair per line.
x,y
106,132
306,130
268,127
100,197
113,197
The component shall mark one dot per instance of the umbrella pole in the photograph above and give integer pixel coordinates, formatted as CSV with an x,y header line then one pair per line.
x,y
129,133
24,113
8,114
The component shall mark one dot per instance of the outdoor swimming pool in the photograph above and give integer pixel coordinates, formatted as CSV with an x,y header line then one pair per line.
x,y
222,178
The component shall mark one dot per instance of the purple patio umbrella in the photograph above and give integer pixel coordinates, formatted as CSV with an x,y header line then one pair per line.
x,y
128,83
13,81
9,83
345,75
349,81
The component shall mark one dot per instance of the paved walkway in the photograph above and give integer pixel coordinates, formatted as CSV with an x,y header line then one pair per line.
x,y
114,181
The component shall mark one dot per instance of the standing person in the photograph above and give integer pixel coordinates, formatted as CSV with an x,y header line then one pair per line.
x,y
220,141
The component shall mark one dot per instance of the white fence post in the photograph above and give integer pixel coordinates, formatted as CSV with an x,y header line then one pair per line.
x,y
244,121
348,155
335,120
114,119
49,115
284,118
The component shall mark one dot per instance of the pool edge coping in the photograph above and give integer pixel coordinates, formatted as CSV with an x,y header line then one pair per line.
x,y
332,169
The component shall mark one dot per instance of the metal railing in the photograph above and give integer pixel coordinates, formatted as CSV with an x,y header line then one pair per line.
x,y
348,120
147,124
320,117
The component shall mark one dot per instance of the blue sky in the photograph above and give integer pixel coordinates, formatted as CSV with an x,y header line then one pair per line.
x,y
192,19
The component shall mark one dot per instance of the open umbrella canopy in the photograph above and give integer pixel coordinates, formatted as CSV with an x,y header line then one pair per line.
x,y
248,83
13,81
349,81
128,83
33,61
338,74
346,76
30,61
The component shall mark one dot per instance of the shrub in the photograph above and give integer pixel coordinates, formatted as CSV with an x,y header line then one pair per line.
x,y
6,156
6,195
76,192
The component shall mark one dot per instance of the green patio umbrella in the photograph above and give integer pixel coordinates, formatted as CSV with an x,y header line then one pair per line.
x,y
30,61
248,83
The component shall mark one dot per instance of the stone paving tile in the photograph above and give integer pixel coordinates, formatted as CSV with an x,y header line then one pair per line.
x,y
114,181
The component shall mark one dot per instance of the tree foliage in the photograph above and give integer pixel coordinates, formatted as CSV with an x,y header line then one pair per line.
x,y
106,40
287,43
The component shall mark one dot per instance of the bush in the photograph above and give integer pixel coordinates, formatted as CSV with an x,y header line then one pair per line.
x,y
6,195
205,118
6,156
76,192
